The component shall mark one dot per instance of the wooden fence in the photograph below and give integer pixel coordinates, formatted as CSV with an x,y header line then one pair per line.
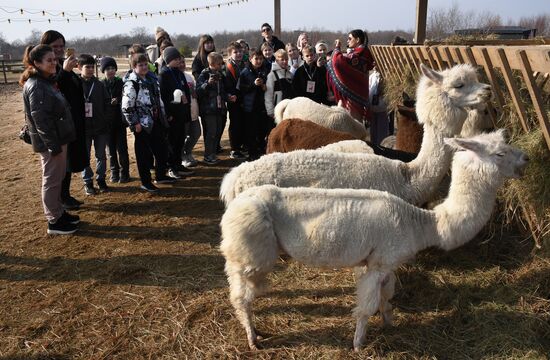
x,y
532,61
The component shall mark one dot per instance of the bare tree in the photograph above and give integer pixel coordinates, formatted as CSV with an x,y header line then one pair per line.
x,y
539,22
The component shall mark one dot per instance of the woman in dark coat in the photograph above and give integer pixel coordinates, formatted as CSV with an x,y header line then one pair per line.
x,y
51,128
71,87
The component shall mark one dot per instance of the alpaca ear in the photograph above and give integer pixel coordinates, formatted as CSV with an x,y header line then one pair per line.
x,y
431,74
340,103
504,134
406,97
463,144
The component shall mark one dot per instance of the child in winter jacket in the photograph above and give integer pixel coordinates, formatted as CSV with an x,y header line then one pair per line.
x,y
310,80
212,98
118,144
279,82
97,125
252,88
143,109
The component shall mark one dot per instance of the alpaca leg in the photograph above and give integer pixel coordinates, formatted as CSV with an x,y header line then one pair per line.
x,y
386,292
369,285
242,293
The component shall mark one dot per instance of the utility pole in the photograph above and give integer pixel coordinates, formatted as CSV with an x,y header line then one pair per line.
x,y
421,15
277,29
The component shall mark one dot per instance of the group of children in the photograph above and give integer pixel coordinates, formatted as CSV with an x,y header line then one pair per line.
x,y
161,105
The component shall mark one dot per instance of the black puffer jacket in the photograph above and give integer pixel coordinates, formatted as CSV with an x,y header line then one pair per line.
x,y
48,116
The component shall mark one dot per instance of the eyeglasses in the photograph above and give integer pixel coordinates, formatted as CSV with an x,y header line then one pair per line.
x,y
266,30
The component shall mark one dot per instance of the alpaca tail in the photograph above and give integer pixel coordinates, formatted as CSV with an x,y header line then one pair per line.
x,y
248,241
280,109
227,188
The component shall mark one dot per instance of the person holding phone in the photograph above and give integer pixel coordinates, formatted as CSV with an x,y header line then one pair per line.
x,y
212,105
70,86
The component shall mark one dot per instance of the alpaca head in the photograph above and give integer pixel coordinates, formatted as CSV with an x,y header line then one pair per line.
x,y
489,154
479,120
442,98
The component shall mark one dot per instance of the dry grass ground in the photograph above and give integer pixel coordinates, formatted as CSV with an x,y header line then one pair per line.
x,y
143,279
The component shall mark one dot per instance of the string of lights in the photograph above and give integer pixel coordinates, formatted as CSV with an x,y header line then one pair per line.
x,y
17,15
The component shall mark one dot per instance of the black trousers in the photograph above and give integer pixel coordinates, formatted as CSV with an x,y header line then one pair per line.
x,y
118,152
149,146
236,127
258,126
176,140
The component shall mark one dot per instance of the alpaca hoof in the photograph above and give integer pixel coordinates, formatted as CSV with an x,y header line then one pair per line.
x,y
253,347
387,321
357,348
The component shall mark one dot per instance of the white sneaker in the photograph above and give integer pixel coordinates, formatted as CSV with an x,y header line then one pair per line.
x,y
189,161
174,174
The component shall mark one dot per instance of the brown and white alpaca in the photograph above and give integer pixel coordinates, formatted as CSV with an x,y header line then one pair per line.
x,y
373,231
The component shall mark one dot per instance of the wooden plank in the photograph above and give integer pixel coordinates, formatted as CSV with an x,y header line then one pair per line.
x,y
498,42
382,63
450,59
377,60
544,80
439,59
399,60
469,55
405,55
414,59
385,61
430,58
489,70
535,96
512,88
4,71
392,62
421,58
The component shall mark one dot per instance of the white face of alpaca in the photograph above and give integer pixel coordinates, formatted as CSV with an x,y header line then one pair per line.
x,y
460,85
491,152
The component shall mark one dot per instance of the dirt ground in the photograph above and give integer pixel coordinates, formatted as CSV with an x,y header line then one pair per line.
x,y
143,279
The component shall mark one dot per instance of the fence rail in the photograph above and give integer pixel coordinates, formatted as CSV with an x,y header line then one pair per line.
x,y
533,62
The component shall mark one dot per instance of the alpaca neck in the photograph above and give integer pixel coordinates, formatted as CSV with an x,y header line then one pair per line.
x,y
469,204
441,119
431,164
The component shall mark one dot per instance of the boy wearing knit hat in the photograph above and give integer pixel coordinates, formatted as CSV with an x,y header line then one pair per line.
x,y
176,96
118,144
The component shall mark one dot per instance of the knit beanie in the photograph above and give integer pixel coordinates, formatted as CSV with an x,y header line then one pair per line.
x,y
106,62
170,53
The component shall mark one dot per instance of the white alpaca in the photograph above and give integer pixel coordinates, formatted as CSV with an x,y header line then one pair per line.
x,y
477,122
333,117
441,102
371,230
348,146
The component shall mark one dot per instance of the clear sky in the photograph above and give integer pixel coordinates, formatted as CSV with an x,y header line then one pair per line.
x,y
321,14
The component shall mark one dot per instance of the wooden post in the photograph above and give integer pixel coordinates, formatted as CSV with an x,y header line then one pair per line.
x,y
421,15
277,29
512,88
4,71
536,97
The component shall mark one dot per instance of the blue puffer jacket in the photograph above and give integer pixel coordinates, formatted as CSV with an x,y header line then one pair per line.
x,y
253,96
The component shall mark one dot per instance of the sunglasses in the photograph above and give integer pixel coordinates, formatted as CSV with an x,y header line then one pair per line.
x,y
266,30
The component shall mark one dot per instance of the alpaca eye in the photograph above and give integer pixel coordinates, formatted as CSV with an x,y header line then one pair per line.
x,y
500,154
459,86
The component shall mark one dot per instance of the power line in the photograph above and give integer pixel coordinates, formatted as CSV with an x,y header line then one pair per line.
x,y
68,16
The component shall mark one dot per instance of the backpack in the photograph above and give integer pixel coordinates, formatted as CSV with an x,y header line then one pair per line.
x,y
284,85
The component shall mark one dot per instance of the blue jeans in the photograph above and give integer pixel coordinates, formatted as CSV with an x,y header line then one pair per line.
x,y
100,144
